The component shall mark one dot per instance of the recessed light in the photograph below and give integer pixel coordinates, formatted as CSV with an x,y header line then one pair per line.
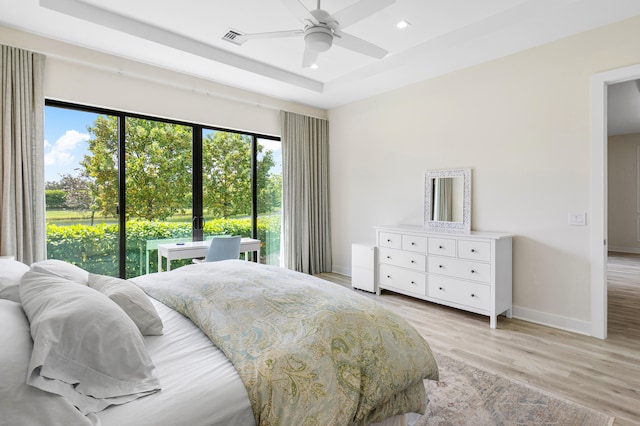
x,y
314,66
403,24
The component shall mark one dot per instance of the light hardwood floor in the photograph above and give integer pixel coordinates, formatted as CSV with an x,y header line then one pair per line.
x,y
601,374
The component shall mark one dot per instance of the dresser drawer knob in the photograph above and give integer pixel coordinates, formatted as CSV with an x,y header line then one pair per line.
x,y
413,282
412,243
473,295
389,276
440,288
413,261
473,250
388,240
440,247
388,257
440,266
473,271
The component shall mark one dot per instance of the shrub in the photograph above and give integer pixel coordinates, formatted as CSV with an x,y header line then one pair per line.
x,y
96,248
55,199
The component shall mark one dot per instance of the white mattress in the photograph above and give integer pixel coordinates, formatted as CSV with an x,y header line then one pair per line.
x,y
199,384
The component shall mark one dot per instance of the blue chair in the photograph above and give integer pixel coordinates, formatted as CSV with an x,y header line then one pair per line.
x,y
222,248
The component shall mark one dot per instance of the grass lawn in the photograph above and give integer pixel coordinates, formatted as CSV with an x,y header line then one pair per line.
x,y
73,217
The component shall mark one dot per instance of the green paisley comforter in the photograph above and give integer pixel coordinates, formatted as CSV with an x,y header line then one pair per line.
x,y
309,352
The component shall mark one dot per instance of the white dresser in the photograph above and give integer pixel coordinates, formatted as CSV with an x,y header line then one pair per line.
x,y
469,271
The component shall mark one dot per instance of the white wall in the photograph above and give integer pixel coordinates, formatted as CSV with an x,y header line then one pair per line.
x,y
623,155
522,124
87,77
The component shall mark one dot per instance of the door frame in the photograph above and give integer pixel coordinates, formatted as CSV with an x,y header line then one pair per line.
x,y
599,203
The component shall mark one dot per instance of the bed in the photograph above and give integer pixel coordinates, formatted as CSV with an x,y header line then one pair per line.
x,y
220,343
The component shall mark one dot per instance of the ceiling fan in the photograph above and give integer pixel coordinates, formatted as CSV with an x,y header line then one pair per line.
x,y
322,30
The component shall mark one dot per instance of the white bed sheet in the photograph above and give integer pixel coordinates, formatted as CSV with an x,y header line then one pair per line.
x,y
200,386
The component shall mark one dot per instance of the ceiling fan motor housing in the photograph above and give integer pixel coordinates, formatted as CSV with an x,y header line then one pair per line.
x,y
318,38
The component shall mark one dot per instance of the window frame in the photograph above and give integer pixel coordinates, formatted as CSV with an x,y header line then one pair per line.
x,y
197,189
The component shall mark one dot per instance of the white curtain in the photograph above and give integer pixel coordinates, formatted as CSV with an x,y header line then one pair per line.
x,y
306,237
22,203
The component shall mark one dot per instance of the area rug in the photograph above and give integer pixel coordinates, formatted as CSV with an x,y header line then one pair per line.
x,y
466,395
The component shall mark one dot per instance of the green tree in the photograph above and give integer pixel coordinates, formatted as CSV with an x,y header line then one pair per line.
x,y
77,190
270,194
101,165
158,163
269,186
158,169
226,174
226,177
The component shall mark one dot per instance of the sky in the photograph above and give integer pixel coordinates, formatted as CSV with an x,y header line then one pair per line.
x,y
66,142
276,148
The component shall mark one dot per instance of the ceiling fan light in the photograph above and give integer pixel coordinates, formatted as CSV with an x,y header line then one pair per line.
x,y
318,39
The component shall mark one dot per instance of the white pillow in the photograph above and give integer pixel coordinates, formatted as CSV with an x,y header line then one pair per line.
x,y
61,269
11,272
21,404
85,347
132,300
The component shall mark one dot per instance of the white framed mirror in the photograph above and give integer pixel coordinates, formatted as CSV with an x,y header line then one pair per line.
x,y
447,200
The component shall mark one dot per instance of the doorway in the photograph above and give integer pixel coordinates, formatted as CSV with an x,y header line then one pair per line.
x,y
599,179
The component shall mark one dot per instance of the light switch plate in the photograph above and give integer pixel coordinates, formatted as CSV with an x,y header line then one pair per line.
x,y
578,219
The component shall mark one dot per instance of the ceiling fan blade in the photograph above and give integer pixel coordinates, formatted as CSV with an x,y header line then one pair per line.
x,y
358,45
360,10
273,34
299,11
309,57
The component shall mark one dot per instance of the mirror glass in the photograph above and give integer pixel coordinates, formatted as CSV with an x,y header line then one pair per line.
x,y
448,200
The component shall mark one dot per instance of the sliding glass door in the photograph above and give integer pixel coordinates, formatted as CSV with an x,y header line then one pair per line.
x,y
118,185
226,183
81,206
242,188
269,198
158,202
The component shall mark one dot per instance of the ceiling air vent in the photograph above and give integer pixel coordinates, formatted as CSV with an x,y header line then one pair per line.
x,y
234,36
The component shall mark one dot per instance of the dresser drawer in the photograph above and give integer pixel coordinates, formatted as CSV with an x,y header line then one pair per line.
x,y
404,259
391,240
474,250
442,246
469,270
414,243
460,292
402,279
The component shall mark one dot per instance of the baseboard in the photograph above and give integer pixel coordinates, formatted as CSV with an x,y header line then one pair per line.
x,y
631,250
530,315
550,320
342,270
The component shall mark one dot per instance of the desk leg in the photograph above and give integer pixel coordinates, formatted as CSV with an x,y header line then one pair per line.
x,y
160,262
254,256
